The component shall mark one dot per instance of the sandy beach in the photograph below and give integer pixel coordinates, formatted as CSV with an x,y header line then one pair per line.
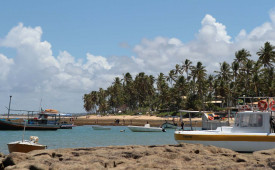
x,y
137,120
187,156
125,120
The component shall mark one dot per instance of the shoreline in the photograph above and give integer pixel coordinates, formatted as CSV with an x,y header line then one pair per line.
x,y
125,120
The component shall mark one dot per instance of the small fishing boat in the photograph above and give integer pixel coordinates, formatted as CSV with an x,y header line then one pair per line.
x,y
97,127
25,145
66,125
169,125
145,128
39,122
252,131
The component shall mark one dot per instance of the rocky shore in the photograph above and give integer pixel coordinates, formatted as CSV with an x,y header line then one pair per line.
x,y
186,156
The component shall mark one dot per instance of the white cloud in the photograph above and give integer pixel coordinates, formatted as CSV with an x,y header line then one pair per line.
x,y
5,65
212,31
61,81
96,63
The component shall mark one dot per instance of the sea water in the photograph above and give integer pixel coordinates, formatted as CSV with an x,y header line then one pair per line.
x,y
85,136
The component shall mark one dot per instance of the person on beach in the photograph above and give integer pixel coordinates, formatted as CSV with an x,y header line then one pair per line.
x,y
182,125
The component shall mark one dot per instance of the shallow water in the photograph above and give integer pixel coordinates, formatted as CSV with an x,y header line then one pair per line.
x,y
85,136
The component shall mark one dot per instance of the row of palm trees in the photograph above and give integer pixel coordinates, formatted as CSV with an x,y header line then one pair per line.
x,y
188,86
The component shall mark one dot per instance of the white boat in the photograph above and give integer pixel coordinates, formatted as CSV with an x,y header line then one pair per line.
x,y
145,128
97,127
252,131
26,145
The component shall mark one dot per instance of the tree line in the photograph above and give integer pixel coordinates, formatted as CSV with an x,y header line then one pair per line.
x,y
188,86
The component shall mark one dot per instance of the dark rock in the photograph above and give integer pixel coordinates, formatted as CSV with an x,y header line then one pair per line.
x,y
40,154
197,151
14,158
2,155
271,163
37,167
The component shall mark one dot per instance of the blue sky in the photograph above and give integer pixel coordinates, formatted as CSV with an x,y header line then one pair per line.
x,y
59,50
100,26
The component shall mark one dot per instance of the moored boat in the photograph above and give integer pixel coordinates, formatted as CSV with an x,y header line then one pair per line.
x,y
97,127
169,125
252,131
67,126
145,128
41,122
26,145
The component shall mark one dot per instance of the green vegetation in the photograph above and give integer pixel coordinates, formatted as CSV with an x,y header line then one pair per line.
x,y
188,86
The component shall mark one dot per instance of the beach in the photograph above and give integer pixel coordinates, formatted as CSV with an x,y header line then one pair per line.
x,y
125,120
184,156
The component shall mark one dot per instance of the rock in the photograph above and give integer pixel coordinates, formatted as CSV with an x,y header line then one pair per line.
x,y
187,156
14,158
2,155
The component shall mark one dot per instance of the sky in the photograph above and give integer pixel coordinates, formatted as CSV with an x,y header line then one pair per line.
x,y
54,52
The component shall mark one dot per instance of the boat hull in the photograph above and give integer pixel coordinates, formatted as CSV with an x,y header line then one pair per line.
x,y
24,147
100,128
8,125
144,129
237,142
169,126
67,126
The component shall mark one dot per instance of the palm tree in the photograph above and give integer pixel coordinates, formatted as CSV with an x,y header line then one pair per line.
x,y
235,68
144,86
267,55
171,77
87,102
102,101
162,91
199,75
115,94
242,56
129,91
186,67
90,101
256,81
224,73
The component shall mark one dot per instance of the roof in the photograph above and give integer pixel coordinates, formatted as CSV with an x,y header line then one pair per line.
x,y
217,101
51,111
190,111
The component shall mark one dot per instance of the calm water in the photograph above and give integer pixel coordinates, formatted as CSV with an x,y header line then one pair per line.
x,y
85,136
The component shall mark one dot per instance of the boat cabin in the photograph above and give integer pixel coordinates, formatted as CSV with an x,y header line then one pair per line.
x,y
45,117
253,122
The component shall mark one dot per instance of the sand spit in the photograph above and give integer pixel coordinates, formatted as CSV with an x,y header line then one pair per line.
x,y
187,156
125,120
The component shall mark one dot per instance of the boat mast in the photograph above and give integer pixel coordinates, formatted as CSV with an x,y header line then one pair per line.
x,y
24,130
9,108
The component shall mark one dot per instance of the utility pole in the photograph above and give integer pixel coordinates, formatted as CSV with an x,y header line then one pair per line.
x,y
9,108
